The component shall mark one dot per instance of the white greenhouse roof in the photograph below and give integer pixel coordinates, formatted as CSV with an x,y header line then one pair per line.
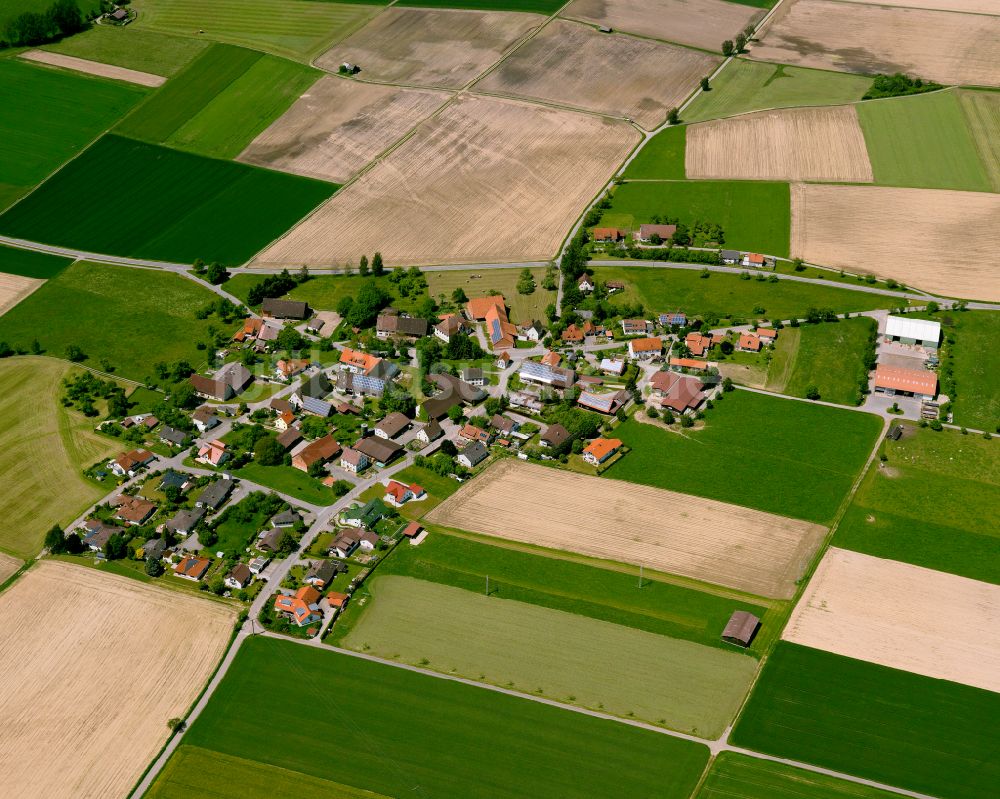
x,y
919,329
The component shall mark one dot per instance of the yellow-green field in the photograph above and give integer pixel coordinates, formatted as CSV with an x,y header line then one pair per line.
x,y
43,448
478,283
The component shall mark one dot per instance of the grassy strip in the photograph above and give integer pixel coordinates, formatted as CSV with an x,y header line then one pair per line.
x,y
662,157
131,48
28,263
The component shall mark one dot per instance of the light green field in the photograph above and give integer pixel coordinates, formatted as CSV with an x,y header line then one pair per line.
x,y
662,157
922,141
43,449
523,307
297,29
562,656
132,48
977,369
982,112
754,86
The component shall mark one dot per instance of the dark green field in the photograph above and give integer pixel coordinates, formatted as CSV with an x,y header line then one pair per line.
x,y
934,504
124,197
891,726
662,158
735,776
776,455
977,369
830,357
47,116
28,263
536,6
755,215
399,733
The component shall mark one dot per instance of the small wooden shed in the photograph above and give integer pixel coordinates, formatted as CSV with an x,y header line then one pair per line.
x,y
741,629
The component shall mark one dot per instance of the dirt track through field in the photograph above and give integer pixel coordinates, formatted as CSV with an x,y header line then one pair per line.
x,y
430,47
943,242
941,46
794,144
702,23
94,666
14,288
338,126
484,181
94,68
749,550
573,64
902,616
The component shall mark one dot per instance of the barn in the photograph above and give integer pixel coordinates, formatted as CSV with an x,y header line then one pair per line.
x,y
919,332
741,628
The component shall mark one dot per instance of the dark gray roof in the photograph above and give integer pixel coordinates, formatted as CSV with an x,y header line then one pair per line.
x,y
154,547
317,406
401,325
475,452
286,517
318,386
453,392
270,540
185,520
285,309
378,449
215,493
172,478
324,570
731,254
555,435
172,435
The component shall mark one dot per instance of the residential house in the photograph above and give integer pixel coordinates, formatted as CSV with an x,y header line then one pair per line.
x,y
357,362
285,309
192,568
474,454
154,548
366,515
380,451
235,375
348,383
317,386
919,332
453,392
285,420
240,577
557,377
286,518
504,360
678,392
474,376
730,257
663,233
601,449
603,403
698,344
584,284
678,318
320,574
271,540
216,493
392,425
287,369
573,334
748,342
472,433
302,607
204,419
173,437
504,425
337,600
755,260
320,451
613,366
98,533
353,461
258,564
644,349
551,358
213,453
608,234
134,510
533,331
174,479
636,327
430,432
279,405
766,335
449,325
395,326
130,463
898,380
554,437
398,494
185,521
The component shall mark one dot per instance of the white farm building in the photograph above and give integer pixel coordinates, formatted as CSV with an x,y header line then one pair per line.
x,y
922,332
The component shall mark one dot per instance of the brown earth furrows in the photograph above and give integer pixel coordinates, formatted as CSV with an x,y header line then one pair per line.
x,y
14,288
94,68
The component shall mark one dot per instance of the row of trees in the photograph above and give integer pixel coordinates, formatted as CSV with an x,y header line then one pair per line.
x,y
62,18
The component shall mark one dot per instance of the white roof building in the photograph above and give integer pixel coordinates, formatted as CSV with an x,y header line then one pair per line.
x,y
913,331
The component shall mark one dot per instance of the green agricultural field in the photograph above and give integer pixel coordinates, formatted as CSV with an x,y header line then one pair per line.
x,y
829,356
131,48
585,590
29,263
288,480
982,113
534,6
727,296
922,141
977,368
662,158
810,454
124,197
44,449
894,727
755,215
47,116
932,504
523,307
131,318
735,776
424,735
297,29
322,292
143,400
755,86
551,653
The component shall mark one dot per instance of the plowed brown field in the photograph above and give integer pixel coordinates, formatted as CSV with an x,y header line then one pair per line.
x,y
749,550
940,241
14,288
970,6
793,144
94,665
484,181
850,37
902,616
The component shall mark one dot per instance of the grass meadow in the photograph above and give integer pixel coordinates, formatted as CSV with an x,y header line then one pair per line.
x,y
755,215
43,449
288,480
777,455
49,115
131,318
736,776
755,86
977,369
662,158
933,504
125,197
29,263
555,654
534,6
894,727
131,48
982,112
409,732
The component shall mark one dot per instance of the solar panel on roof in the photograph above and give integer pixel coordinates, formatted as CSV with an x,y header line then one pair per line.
x,y
497,334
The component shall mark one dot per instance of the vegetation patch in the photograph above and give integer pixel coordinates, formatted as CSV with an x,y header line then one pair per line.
x,y
975,379
982,112
662,157
534,6
894,727
131,48
28,263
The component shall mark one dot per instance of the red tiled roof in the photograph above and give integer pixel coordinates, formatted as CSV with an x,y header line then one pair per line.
x,y
899,378
646,344
600,448
478,307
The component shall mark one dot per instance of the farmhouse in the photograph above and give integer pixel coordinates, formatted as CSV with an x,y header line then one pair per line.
x,y
533,331
601,449
235,375
698,344
353,461
392,425
474,454
554,437
449,325
348,383
357,362
192,568
380,451
602,403
210,388
676,318
395,326
643,349
662,232
636,327
474,376
557,377
741,628
302,607
573,334
608,234
319,451
501,332
287,369
216,493
921,332
748,342
477,308
430,432
613,366
678,392
898,380
285,309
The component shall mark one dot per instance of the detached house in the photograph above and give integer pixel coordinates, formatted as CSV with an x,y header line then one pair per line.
x,y
748,343
353,461
302,607
192,568
128,464
601,449
239,577
319,451
397,494
474,454
636,327
643,349
213,453
584,284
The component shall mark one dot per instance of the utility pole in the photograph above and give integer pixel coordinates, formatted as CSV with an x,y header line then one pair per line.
x,y
487,585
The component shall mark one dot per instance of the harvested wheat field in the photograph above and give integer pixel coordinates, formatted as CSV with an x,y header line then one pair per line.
x,y
850,37
94,68
968,6
702,23
939,241
430,47
8,565
14,288
576,65
484,181
94,666
793,144
339,126
749,550
902,616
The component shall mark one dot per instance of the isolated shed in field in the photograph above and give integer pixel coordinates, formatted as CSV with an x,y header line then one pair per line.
x,y
741,629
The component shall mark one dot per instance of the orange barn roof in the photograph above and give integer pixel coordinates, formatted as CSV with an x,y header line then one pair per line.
x,y
478,307
646,344
898,378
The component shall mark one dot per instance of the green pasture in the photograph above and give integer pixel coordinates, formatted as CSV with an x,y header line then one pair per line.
x,y
297,29
551,653
736,776
755,86
977,368
806,456
727,295
982,113
49,115
29,263
662,157
125,197
419,734
755,215
288,480
130,318
922,141
132,48
933,504
546,7
894,727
